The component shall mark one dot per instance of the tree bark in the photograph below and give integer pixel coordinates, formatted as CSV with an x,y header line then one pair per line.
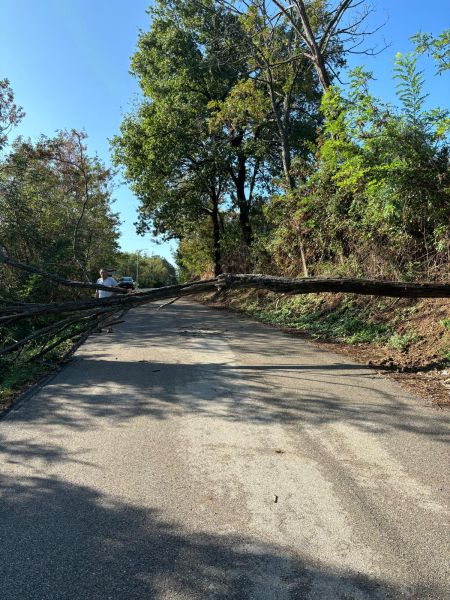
x,y
347,285
99,308
244,213
316,53
216,234
283,126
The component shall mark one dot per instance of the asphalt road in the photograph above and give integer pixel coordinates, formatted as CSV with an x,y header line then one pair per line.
x,y
194,454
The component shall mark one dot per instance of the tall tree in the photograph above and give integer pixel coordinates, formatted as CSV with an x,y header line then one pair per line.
x,y
174,139
379,191
172,165
280,87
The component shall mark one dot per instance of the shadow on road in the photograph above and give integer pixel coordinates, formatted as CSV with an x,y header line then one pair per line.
x,y
122,391
65,541
311,389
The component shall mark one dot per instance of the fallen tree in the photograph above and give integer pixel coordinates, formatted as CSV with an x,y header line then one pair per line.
x,y
55,278
82,317
227,281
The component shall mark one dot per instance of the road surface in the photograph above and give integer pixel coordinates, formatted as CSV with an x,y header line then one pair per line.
x,y
194,454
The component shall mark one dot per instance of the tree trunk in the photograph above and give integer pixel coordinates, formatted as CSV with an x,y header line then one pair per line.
x,y
315,52
286,159
216,234
98,310
283,129
302,253
244,209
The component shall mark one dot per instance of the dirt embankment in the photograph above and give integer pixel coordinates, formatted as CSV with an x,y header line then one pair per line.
x,y
404,339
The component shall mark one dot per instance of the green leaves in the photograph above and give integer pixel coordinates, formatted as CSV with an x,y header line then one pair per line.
x,y
410,85
154,271
438,47
382,174
44,197
10,113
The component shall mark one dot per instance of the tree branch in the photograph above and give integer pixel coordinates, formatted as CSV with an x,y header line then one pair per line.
x,y
95,286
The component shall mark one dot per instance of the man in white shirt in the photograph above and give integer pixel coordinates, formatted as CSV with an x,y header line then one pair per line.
x,y
105,279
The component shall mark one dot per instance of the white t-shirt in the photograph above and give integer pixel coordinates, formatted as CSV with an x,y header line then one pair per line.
x,y
110,282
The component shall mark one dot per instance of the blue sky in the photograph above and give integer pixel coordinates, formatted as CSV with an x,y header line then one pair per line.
x,y
68,61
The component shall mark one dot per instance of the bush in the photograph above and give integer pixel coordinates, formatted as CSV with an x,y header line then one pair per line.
x,y
403,342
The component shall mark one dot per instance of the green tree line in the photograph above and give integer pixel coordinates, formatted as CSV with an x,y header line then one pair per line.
x,y
56,214
245,148
55,210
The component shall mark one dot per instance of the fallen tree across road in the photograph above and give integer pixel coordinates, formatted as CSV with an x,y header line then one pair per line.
x,y
346,285
97,309
223,282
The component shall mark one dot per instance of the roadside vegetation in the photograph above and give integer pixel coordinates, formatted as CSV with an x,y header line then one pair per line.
x,y
154,271
56,214
245,148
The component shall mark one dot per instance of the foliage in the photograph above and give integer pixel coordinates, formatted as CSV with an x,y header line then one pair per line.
x,y
18,372
347,322
177,166
225,105
10,113
55,214
445,323
194,255
241,149
55,204
438,47
381,179
403,342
